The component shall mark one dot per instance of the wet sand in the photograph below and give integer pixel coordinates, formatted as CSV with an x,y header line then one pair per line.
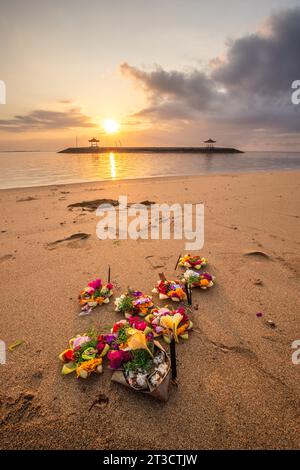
x,y
237,385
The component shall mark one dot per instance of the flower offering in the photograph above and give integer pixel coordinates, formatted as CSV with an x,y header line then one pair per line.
x,y
171,324
195,262
96,293
84,355
133,303
203,280
170,290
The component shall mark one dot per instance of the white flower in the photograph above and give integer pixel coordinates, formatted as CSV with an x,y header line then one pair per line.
x,y
190,273
162,369
154,290
141,380
155,379
106,301
99,369
159,358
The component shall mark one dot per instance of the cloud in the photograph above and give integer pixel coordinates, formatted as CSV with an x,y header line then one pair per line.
x,y
41,119
251,85
173,93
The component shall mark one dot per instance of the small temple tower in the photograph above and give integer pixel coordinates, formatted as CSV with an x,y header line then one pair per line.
x,y
209,143
94,142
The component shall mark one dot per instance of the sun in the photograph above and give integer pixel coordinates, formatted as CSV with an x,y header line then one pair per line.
x,y
110,126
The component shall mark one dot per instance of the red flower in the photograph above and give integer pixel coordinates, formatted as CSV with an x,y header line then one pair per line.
x,y
69,355
118,325
109,286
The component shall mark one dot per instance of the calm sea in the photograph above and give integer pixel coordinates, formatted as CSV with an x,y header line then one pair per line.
x,y
25,169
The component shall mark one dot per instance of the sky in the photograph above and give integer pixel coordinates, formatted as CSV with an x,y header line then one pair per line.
x,y
170,72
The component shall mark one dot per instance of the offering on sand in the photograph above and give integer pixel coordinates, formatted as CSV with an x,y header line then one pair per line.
x,y
171,323
195,262
142,363
96,293
84,355
173,290
134,303
204,280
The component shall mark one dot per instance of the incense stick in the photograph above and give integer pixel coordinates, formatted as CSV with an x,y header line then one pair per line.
x,y
187,293
173,359
190,289
108,277
177,262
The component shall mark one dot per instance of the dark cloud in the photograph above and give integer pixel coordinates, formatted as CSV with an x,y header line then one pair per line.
x,y
266,63
252,85
42,119
173,93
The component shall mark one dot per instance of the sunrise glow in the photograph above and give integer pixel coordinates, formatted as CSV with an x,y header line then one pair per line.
x,y
110,126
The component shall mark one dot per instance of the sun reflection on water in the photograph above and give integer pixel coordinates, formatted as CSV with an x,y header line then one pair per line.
x,y
112,165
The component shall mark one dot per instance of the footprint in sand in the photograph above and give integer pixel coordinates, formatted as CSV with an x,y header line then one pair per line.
x,y
153,264
6,258
76,237
26,199
14,410
257,255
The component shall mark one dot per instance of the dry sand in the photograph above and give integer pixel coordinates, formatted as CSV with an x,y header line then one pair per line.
x,y
237,386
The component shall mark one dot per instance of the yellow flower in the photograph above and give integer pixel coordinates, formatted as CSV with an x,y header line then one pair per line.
x,y
171,322
138,341
86,368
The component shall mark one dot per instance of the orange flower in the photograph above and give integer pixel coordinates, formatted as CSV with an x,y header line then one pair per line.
x,y
181,330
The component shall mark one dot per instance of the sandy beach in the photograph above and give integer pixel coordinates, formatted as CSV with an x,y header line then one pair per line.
x,y
238,387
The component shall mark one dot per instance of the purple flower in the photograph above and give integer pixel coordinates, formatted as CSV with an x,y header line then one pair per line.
x,y
207,276
109,338
259,314
137,293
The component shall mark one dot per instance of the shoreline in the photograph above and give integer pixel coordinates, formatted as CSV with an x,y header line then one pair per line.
x,y
238,388
154,179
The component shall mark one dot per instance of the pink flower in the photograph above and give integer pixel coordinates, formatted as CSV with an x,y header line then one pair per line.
x,y
100,346
116,358
137,323
181,310
96,284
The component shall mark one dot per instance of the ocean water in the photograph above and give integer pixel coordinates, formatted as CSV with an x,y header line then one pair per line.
x,y
26,169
